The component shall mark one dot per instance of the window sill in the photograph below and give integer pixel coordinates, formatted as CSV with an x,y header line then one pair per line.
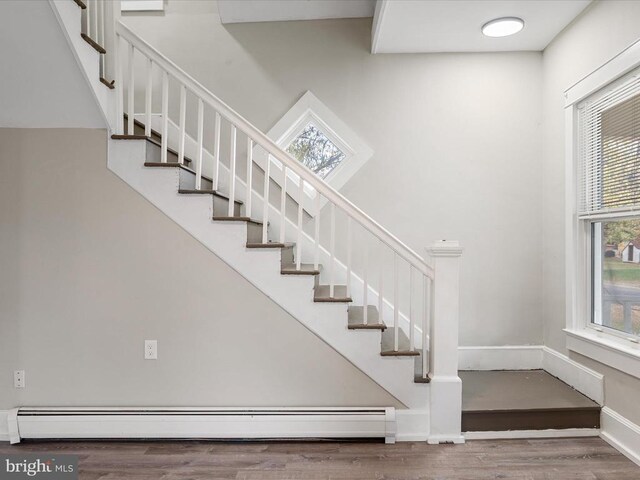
x,y
606,349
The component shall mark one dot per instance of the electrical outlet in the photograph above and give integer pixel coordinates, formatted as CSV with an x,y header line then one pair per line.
x,y
18,379
150,349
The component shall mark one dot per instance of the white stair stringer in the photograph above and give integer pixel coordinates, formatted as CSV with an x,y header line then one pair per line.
x,y
261,267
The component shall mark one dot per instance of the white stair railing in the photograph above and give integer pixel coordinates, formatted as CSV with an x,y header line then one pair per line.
x,y
410,272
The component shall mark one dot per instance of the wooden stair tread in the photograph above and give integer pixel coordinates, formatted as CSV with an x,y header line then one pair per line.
x,y
155,139
305,269
173,165
116,136
110,84
186,191
321,294
387,345
158,143
99,48
140,125
237,219
356,316
270,245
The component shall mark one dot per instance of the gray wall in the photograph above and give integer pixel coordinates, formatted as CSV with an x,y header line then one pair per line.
x,y
89,270
457,140
601,32
43,85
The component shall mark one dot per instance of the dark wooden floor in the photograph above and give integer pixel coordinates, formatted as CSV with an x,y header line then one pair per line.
x,y
548,459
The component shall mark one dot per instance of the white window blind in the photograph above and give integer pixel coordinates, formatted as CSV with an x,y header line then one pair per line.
x,y
609,150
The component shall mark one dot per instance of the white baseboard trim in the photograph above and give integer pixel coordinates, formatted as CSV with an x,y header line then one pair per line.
x,y
586,381
4,426
621,433
508,357
513,434
412,425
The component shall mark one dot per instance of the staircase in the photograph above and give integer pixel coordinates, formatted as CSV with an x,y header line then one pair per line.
x,y
332,267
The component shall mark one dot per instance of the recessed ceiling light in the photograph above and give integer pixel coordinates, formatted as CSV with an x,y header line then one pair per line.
x,y
502,27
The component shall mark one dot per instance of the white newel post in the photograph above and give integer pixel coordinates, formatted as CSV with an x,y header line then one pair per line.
x,y
446,386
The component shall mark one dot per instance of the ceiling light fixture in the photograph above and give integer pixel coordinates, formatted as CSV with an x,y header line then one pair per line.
x,y
502,27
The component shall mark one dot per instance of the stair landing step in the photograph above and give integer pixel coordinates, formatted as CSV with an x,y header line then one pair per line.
x,y
322,294
356,318
523,400
305,269
388,345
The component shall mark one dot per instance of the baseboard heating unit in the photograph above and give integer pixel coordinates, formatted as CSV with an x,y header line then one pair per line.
x,y
201,423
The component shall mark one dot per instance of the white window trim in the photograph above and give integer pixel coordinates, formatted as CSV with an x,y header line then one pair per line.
x,y
615,350
310,109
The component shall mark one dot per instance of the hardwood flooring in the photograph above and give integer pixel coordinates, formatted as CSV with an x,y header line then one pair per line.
x,y
536,459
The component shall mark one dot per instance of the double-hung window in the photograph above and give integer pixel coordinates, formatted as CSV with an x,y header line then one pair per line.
x,y
608,154
602,249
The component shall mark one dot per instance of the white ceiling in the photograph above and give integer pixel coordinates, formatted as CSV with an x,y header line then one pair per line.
x,y
241,11
412,26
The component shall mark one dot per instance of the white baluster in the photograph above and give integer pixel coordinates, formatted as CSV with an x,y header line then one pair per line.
x,y
332,251
426,322
396,300
265,213
88,18
147,99
216,152
316,236
130,92
365,293
101,28
249,176
283,204
183,121
200,142
232,170
349,260
95,21
119,86
299,242
381,285
412,325
165,115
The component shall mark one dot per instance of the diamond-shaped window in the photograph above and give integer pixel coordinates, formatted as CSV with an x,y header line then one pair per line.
x,y
314,149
